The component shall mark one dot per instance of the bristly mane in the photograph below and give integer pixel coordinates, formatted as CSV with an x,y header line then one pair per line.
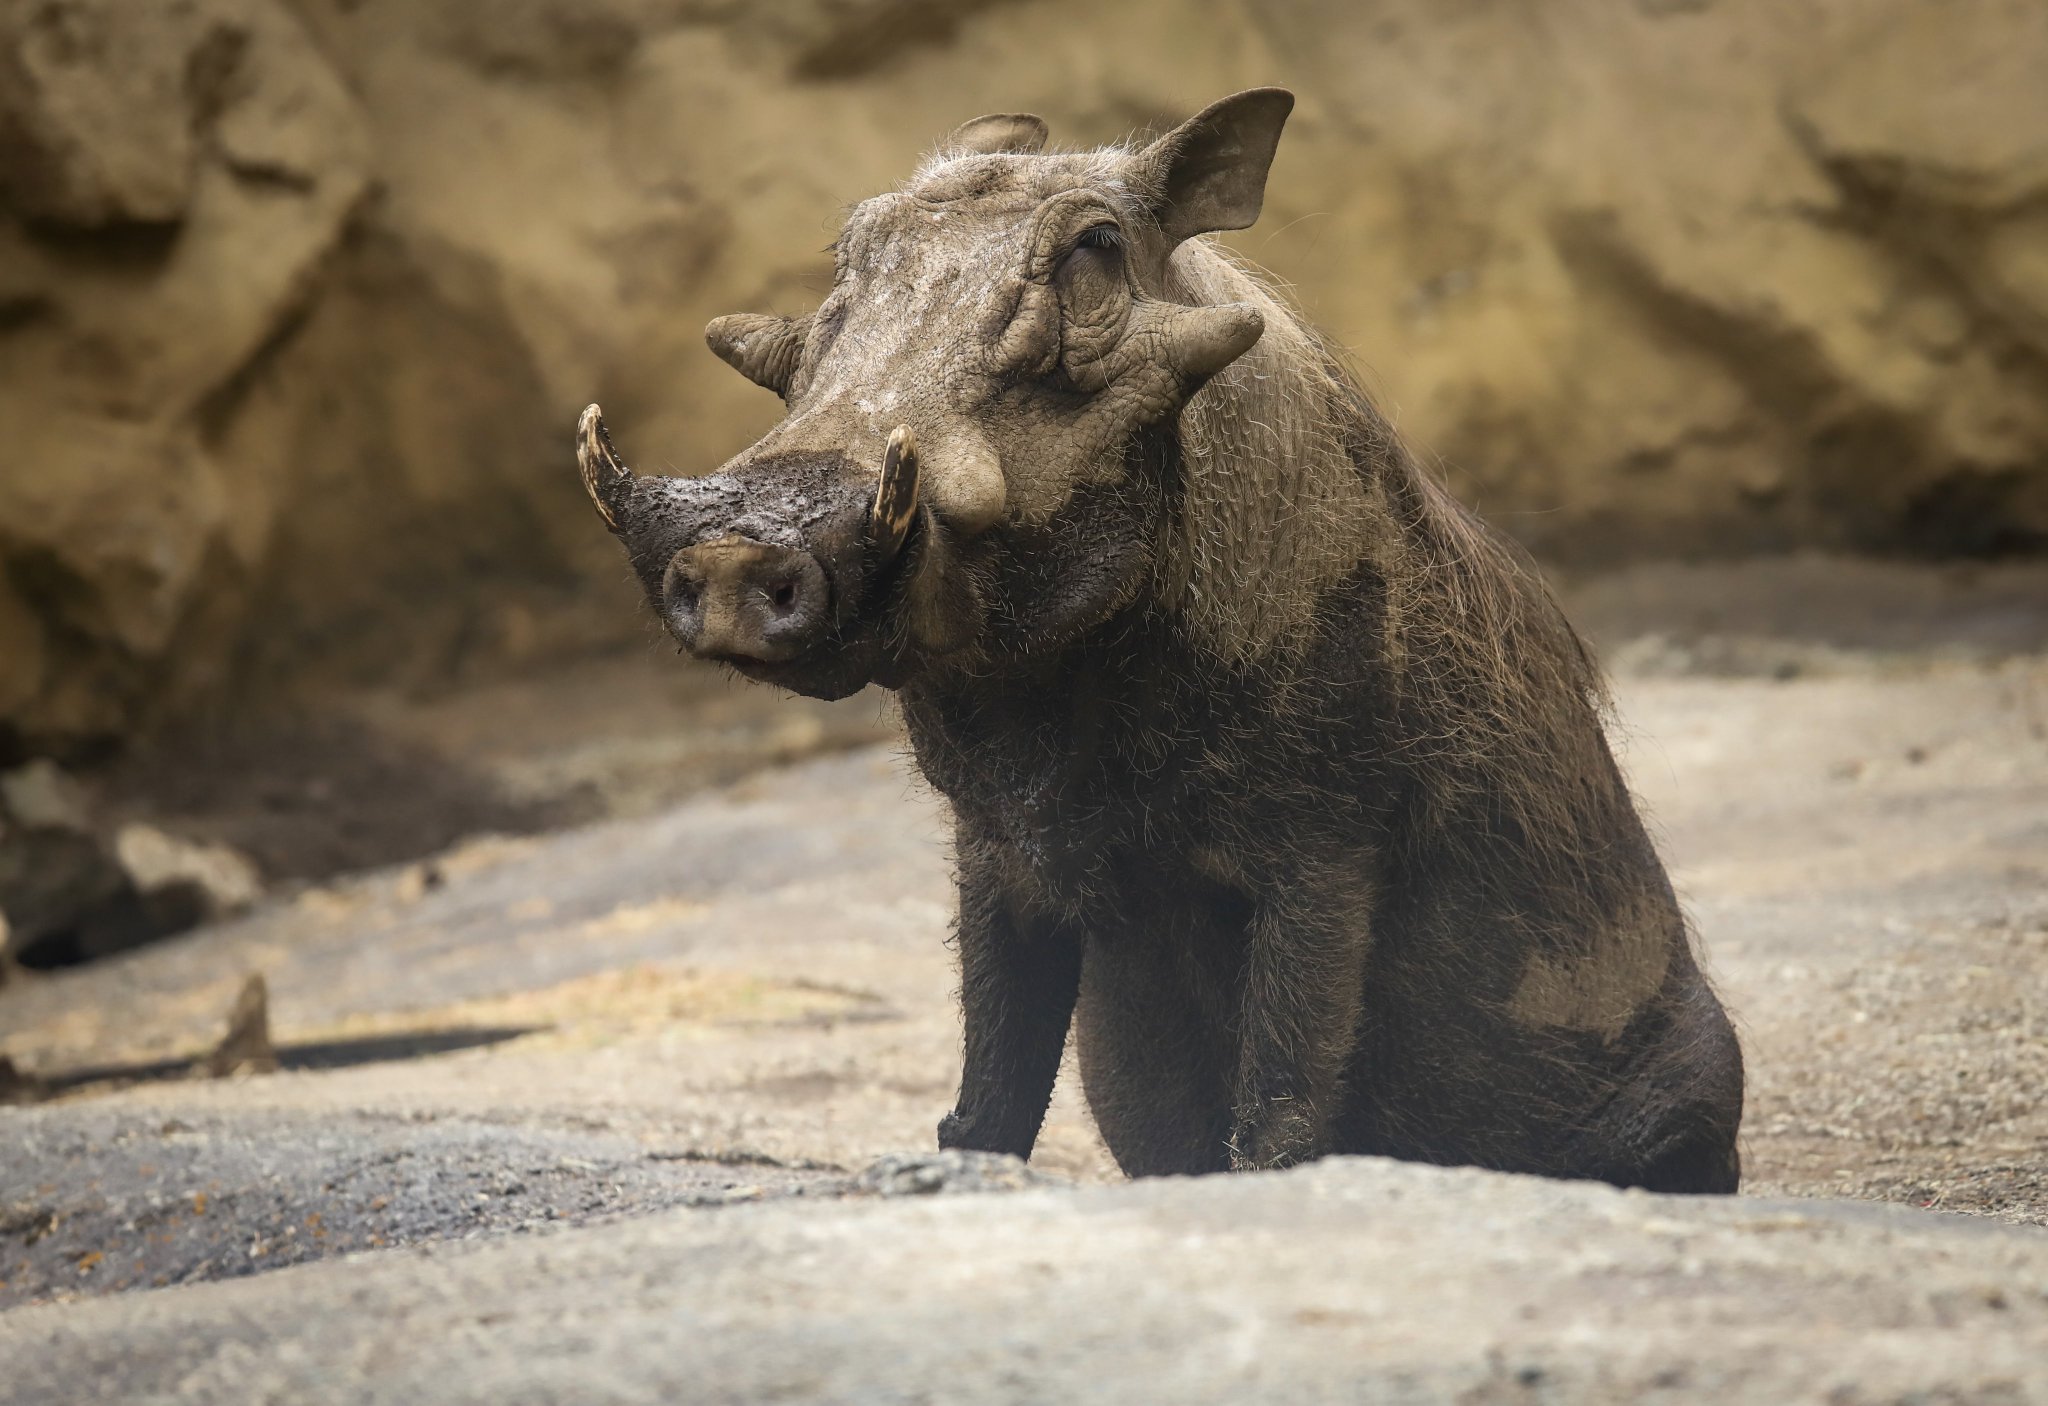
x,y
1275,511
1294,483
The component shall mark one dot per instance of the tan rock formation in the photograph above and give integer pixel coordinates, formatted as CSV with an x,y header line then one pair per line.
x,y
298,302
179,174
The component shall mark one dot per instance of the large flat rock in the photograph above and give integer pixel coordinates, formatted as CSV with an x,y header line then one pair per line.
x,y
1354,1280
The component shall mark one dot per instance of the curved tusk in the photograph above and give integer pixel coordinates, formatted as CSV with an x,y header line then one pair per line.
x,y
604,477
895,506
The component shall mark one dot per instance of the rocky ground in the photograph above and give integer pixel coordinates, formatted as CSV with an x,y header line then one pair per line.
x,y
663,1076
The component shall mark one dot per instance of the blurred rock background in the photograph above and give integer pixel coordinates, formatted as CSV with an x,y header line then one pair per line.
x,y
299,300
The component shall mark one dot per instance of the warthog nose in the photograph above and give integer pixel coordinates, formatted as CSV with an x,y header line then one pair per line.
x,y
741,599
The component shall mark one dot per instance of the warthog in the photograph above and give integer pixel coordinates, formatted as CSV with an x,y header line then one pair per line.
x,y
1274,773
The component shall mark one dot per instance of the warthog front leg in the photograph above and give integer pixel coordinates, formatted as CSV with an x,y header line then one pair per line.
x,y
1018,980
1299,1017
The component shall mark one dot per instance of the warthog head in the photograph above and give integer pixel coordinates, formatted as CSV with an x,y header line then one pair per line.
x,y
998,335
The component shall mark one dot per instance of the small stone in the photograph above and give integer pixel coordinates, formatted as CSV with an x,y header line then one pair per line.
x,y
155,860
949,1172
16,1086
40,795
246,1047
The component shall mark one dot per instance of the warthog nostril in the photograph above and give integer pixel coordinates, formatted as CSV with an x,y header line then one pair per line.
x,y
737,598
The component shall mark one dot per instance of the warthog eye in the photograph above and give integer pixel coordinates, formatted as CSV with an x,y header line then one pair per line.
x,y
1094,303
1096,256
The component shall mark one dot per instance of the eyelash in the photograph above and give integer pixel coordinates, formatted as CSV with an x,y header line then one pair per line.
x,y
1100,237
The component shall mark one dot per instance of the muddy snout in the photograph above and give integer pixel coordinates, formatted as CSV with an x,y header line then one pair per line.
x,y
735,598
772,560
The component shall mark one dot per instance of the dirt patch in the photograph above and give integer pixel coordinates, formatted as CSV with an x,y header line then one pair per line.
x,y
601,1009
103,1203
1810,615
363,780
306,796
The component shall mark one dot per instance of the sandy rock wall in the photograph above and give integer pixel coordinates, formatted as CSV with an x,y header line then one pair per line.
x,y
298,300
177,178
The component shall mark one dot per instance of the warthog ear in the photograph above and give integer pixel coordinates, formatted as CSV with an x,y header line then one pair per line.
x,y
763,349
1209,173
1019,133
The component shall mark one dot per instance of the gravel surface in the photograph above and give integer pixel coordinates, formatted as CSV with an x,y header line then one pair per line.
x,y
109,1201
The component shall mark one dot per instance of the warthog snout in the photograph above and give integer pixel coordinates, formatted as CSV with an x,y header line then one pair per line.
x,y
779,564
740,599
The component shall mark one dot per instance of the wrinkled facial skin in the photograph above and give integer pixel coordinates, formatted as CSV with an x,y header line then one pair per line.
x,y
1008,318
